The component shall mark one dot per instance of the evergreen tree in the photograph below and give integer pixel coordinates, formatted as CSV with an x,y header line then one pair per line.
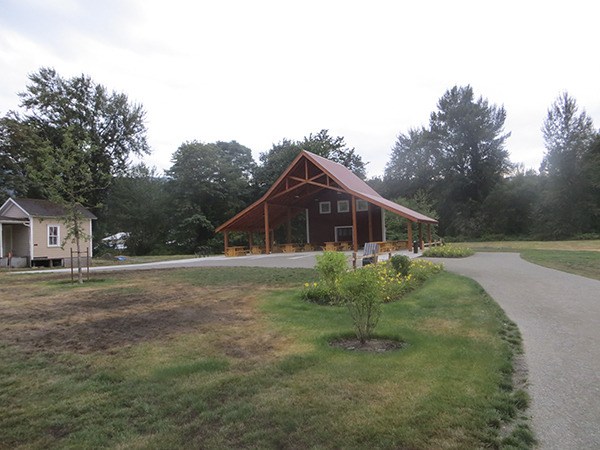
x,y
569,136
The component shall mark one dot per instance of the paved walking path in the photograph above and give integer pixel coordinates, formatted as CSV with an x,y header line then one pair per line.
x,y
290,260
559,317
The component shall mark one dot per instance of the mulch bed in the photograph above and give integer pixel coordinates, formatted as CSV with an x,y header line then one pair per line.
x,y
372,345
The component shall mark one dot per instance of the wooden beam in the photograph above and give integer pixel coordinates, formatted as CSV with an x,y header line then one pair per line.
x,y
301,182
226,240
370,213
267,240
289,226
354,233
410,235
420,235
325,186
429,234
250,240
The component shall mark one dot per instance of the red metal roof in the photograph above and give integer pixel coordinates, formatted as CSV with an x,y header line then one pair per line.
x,y
300,183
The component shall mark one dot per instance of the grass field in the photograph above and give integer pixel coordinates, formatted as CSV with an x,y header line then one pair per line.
x,y
516,246
577,257
111,261
222,358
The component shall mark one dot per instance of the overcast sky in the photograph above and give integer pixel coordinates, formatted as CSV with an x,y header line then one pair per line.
x,y
260,71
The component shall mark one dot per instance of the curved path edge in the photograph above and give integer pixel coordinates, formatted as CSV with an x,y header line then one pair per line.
x,y
558,315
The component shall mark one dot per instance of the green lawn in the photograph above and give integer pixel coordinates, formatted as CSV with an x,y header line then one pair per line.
x,y
578,257
586,264
515,246
230,357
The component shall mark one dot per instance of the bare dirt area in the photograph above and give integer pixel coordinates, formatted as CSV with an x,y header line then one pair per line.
x,y
124,310
374,345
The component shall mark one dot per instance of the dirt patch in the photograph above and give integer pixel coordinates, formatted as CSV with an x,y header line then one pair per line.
x,y
102,333
372,345
100,318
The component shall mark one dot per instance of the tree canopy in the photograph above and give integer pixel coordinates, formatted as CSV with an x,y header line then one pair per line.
x,y
61,117
457,160
72,142
570,203
280,156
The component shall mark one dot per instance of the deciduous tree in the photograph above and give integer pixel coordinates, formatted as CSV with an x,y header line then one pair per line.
x,y
209,183
280,156
103,124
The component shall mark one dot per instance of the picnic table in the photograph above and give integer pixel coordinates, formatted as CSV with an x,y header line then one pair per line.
x,y
331,246
289,248
236,250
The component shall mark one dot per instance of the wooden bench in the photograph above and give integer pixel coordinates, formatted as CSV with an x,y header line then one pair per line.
x,y
257,250
370,253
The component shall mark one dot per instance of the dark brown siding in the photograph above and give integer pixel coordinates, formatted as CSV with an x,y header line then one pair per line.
x,y
322,226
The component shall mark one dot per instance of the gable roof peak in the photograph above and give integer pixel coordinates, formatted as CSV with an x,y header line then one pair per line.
x,y
37,207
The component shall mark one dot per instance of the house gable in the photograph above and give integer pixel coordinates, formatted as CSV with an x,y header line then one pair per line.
x,y
11,209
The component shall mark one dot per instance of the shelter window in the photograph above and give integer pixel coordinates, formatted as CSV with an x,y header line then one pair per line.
x,y
343,206
325,207
362,205
53,235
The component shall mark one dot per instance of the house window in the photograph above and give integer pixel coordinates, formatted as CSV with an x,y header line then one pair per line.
x,y
53,236
362,205
325,207
343,206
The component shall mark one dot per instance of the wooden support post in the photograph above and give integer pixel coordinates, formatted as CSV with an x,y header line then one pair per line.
x,y
250,240
226,239
267,236
409,236
420,235
370,213
289,226
429,234
354,233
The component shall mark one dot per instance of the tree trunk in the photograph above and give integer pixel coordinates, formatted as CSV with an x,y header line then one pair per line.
x,y
78,243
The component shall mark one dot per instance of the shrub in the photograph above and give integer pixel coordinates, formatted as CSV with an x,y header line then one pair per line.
x,y
448,251
319,293
330,267
361,293
421,270
401,264
392,284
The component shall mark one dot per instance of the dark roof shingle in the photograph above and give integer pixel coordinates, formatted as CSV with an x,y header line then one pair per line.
x,y
45,208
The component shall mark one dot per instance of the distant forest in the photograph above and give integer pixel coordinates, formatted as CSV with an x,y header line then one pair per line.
x,y
73,142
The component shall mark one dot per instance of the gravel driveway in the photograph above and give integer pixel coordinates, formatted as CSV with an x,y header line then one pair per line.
x,y
559,317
